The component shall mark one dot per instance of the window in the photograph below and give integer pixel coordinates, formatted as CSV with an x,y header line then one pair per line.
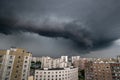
x,y
8,73
10,61
17,66
19,57
6,78
24,70
11,57
9,67
26,57
44,72
1,56
25,66
16,76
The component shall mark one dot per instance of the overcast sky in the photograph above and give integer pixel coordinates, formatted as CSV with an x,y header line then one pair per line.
x,y
89,28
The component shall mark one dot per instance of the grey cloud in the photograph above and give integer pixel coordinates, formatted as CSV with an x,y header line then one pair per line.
x,y
89,23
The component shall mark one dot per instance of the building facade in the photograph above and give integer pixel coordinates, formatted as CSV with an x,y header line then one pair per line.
x,y
75,58
14,64
57,74
48,62
102,69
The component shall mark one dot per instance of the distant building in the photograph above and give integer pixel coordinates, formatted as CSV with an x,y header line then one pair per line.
x,y
75,58
48,62
64,58
80,63
14,64
34,59
57,74
102,69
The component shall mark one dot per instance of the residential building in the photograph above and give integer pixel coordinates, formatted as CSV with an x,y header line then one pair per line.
x,y
14,64
64,58
48,62
75,58
80,63
102,69
57,74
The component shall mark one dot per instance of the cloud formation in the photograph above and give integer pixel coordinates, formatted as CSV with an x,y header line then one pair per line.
x,y
90,24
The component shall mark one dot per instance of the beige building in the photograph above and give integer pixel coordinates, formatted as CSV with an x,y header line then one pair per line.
x,y
30,78
14,64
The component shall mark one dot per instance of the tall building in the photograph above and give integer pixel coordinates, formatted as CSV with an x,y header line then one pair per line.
x,y
56,74
102,69
15,64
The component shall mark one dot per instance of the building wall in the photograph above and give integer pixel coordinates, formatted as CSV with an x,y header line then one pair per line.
x,y
13,62
47,62
101,70
115,71
60,74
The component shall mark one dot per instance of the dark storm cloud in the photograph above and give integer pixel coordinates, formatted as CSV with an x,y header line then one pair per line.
x,y
72,30
87,22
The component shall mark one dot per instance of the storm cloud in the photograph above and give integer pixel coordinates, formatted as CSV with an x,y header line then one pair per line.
x,y
88,23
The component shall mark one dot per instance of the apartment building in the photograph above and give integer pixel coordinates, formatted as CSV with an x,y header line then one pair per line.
x,y
48,62
102,69
56,74
14,64
75,58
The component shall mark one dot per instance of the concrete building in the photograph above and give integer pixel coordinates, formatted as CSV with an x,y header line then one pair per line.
x,y
102,69
80,63
57,74
36,59
48,62
64,58
75,58
14,64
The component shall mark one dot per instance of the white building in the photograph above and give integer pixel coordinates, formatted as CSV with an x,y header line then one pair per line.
x,y
48,62
57,74
35,59
75,58
64,58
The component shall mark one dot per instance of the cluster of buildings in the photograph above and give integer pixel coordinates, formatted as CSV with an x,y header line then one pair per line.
x,y
62,62
15,64
103,69
55,69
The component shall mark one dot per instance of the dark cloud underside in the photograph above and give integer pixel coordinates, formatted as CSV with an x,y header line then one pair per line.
x,y
90,24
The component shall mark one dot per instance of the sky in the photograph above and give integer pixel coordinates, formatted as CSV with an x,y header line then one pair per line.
x,y
89,28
